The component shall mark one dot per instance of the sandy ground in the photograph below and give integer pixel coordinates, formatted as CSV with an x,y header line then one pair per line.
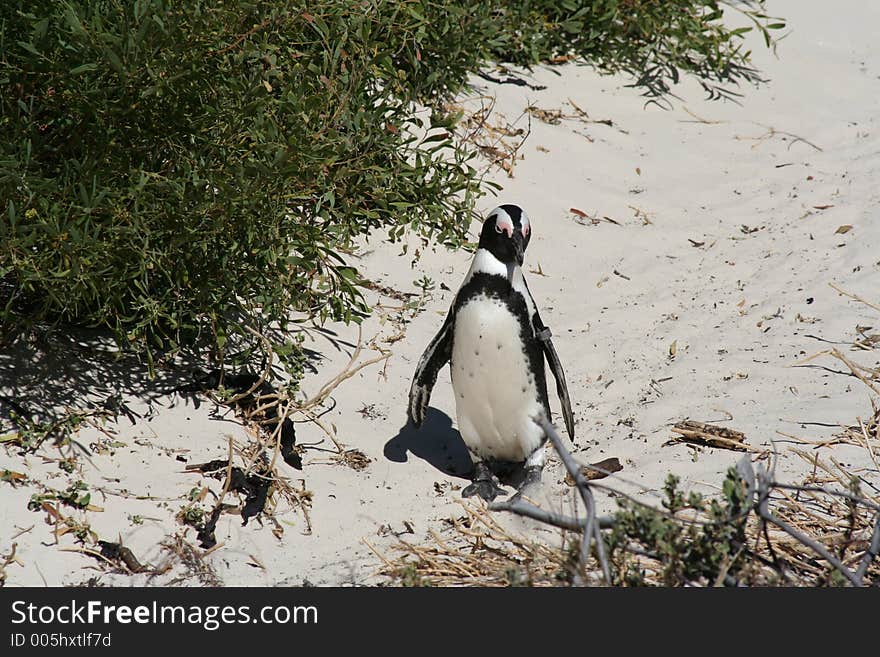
x,y
698,279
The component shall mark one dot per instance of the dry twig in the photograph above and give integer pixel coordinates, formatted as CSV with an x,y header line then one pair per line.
x,y
711,435
855,297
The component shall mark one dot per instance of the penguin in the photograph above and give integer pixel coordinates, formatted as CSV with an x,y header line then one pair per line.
x,y
495,343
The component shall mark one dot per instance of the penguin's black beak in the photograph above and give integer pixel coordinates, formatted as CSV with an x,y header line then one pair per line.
x,y
518,246
518,250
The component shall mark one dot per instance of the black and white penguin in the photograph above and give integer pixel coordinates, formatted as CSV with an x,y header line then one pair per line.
x,y
496,343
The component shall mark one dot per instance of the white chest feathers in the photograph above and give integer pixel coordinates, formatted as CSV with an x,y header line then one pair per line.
x,y
496,393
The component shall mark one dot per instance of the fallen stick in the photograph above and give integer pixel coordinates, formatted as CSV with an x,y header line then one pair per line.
x,y
598,470
711,435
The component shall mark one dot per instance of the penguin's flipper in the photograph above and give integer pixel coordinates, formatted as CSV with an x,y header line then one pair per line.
x,y
543,333
436,355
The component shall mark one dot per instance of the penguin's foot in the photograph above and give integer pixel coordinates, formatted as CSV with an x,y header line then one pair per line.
x,y
485,488
485,484
531,481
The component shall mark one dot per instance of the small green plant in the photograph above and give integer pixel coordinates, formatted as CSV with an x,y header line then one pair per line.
x,y
31,432
37,499
706,547
408,576
12,477
193,514
67,465
76,495
416,305
426,284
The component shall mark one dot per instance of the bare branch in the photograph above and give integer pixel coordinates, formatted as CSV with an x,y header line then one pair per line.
x,y
523,508
270,355
828,491
855,297
352,368
583,487
871,552
764,484
855,369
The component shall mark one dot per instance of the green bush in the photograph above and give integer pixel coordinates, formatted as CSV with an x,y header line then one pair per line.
x,y
182,172
173,172
653,40
706,550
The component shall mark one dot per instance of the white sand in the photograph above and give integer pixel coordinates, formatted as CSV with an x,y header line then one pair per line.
x,y
745,181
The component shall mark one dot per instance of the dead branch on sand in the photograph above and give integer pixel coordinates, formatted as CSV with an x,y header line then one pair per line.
x,y
712,435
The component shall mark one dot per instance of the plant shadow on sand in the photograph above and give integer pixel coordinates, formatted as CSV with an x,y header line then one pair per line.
x,y
42,380
436,442
73,370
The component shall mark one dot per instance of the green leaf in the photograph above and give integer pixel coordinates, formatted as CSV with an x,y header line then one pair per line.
x,y
73,22
114,60
29,47
83,68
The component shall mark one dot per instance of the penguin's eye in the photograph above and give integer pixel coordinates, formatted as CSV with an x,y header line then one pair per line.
x,y
504,227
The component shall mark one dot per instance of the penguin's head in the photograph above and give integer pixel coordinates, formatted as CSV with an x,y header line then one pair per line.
x,y
506,234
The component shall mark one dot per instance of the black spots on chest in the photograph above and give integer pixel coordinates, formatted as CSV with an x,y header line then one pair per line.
x,y
497,288
493,287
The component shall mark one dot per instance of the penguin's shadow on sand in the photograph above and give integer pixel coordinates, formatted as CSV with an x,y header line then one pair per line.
x,y
436,442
